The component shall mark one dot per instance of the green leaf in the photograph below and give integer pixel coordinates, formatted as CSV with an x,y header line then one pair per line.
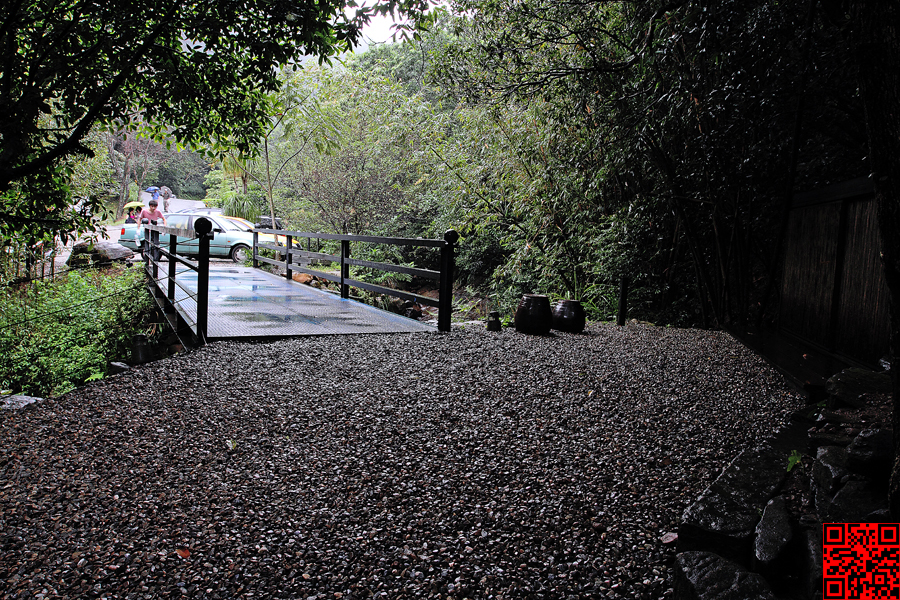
x,y
793,460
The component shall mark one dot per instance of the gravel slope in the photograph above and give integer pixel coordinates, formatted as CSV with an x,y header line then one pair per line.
x,y
464,465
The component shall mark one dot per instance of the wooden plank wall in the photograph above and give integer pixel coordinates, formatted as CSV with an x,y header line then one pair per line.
x,y
863,317
833,291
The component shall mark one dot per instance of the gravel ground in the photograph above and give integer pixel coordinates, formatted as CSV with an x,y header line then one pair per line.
x,y
465,465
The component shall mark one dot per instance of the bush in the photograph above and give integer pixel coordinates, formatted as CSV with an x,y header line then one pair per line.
x,y
245,206
57,335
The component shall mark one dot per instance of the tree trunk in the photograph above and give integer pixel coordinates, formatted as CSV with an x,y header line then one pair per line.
x,y
876,43
125,189
120,170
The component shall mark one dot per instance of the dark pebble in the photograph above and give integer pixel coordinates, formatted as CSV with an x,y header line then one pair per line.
x,y
471,464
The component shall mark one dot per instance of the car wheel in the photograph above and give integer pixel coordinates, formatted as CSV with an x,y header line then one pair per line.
x,y
240,253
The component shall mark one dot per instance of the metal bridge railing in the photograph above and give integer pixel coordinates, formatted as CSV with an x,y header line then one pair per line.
x,y
203,232
444,277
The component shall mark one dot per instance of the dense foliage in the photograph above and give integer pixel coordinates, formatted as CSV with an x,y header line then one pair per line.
x,y
667,130
580,143
138,161
198,73
55,335
343,157
572,144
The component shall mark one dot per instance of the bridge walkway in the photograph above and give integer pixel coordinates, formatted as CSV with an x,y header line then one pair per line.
x,y
248,303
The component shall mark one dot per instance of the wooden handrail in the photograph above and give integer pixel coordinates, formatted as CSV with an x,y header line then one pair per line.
x,y
444,276
203,232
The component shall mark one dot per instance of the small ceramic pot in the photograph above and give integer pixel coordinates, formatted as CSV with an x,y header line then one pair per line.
x,y
569,316
533,315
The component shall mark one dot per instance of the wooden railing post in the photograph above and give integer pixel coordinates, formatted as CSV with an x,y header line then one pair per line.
x,y
255,249
287,256
203,227
622,311
345,268
154,255
445,288
173,266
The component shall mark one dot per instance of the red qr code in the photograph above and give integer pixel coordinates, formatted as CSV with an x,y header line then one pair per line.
x,y
860,560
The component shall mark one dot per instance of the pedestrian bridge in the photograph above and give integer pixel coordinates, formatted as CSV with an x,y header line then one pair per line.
x,y
225,301
250,303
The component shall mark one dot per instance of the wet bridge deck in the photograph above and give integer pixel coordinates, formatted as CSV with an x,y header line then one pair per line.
x,y
250,303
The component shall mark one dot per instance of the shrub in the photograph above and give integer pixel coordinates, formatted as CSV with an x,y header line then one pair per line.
x,y
57,335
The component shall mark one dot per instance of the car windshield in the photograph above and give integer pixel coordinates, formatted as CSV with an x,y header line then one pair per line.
x,y
178,221
227,225
240,225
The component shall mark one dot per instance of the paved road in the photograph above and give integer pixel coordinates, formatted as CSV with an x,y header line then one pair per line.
x,y
113,232
174,203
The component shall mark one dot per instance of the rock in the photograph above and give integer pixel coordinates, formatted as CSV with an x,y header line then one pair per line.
x,y
100,253
707,576
834,418
849,385
669,538
724,518
411,309
755,474
395,306
718,522
812,560
872,453
828,472
820,439
773,536
882,515
118,367
17,402
856,502
302,277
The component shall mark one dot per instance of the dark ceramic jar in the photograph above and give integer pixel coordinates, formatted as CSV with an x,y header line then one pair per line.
x,y
534,315
569,316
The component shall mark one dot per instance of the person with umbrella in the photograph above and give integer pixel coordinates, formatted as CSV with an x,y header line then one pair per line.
x,y
131,206
155,191
166,196
152,216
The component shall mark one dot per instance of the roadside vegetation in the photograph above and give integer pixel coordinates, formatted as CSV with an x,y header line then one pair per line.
x,y
56,335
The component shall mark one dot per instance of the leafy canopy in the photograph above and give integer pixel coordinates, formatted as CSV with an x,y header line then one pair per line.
x,y
197,71
682,118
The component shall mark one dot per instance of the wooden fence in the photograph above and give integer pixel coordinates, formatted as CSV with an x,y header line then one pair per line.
x,y
285,247
166,296
834,294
